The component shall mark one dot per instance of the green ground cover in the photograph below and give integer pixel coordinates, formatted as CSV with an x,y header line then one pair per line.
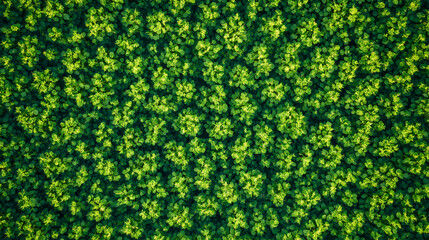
x,y
187,119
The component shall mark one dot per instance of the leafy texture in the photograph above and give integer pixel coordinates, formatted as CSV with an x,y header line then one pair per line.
x,y
214,119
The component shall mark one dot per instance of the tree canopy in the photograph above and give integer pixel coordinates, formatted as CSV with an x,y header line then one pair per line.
x,y
214,119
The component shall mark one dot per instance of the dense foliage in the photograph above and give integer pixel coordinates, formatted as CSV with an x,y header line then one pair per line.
x,y
189,119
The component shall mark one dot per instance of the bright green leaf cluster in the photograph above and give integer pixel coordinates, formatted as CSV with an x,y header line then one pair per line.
x,y
214,119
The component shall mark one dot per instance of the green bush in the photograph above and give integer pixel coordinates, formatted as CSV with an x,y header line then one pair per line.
x,y
214,119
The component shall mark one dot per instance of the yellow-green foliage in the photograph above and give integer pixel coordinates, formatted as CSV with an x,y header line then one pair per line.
x,y
214,119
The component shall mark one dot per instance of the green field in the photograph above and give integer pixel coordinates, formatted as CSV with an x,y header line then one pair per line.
x,y
199,119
